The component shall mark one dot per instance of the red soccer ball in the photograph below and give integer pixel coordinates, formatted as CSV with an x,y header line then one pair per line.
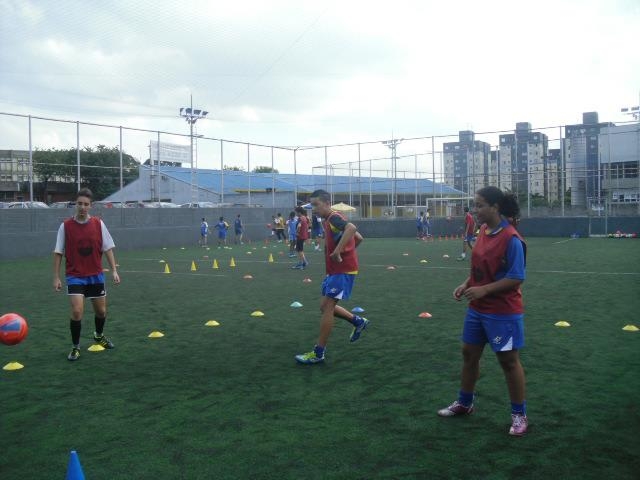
x,y
13,328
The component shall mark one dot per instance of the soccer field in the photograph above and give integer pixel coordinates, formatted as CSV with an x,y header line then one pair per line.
x,y
230,401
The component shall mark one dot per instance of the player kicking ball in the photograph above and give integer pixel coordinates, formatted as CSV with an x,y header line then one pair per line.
x,y
83,239
341,240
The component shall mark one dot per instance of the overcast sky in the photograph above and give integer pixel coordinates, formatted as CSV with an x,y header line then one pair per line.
x,y
312,73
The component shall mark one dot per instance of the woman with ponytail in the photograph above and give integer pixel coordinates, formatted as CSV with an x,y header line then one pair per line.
x,y
495,314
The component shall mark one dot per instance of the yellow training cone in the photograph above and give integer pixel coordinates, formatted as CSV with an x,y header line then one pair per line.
x,y
161,261
562,323
215,264
156,334
212,323
270,258
232,263
630,328
166,268
13,366
193,266
423,261
257,313
95,348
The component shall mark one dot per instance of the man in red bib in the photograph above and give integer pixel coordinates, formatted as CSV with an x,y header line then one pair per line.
x,y
341,259
83,239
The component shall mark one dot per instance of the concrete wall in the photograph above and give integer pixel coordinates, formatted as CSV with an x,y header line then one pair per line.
x,y
31,233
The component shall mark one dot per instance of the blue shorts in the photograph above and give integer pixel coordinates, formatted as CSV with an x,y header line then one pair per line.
x,y
238,232
338,286
292,237
222,235
502,332
89,287
469,238
91,280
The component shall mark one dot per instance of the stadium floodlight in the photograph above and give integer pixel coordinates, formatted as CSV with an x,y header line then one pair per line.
x,y
191,116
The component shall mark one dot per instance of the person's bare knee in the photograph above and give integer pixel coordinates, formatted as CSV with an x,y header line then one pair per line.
x,y
471,354
509,361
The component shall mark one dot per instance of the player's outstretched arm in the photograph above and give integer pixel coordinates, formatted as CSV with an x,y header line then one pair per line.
x,y
112,263
349,232
358,237
57,260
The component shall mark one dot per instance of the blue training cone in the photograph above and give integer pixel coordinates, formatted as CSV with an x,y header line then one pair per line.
x,y
74,470
357,310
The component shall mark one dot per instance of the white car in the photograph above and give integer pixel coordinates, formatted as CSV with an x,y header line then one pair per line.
x,y
199,205
28,205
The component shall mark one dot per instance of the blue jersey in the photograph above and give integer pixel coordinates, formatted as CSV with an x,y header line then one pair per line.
x,y
222,229
238,225
293,226
204,228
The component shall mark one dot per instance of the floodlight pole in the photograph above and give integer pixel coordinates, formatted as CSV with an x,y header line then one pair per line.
x,y
392,144
191,116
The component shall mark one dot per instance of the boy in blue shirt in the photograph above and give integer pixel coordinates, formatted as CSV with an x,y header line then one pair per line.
x,y
238,229
222,232
292,227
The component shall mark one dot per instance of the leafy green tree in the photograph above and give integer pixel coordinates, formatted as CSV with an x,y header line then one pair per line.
x,y
261,169
99,169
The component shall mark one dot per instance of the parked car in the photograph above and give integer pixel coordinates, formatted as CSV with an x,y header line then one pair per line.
x,y
62,205
198,205
28,205
161,205
105,204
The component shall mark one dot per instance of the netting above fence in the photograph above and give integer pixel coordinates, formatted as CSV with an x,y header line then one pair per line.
x,y
553,171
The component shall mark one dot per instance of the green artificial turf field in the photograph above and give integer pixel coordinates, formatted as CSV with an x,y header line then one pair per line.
x,y
230,401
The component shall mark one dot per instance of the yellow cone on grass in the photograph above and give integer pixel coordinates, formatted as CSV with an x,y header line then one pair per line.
x,y
13,366
562,323
95,348
630,328
212,323
257,313
156,334
270,258
193,266
215,264
232,263
423,261
166,268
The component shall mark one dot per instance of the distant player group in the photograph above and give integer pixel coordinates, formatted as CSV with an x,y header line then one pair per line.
x,y
495,314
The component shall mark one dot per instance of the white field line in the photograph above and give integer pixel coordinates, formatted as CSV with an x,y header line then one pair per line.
x,y
563,241
426,267
174,273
